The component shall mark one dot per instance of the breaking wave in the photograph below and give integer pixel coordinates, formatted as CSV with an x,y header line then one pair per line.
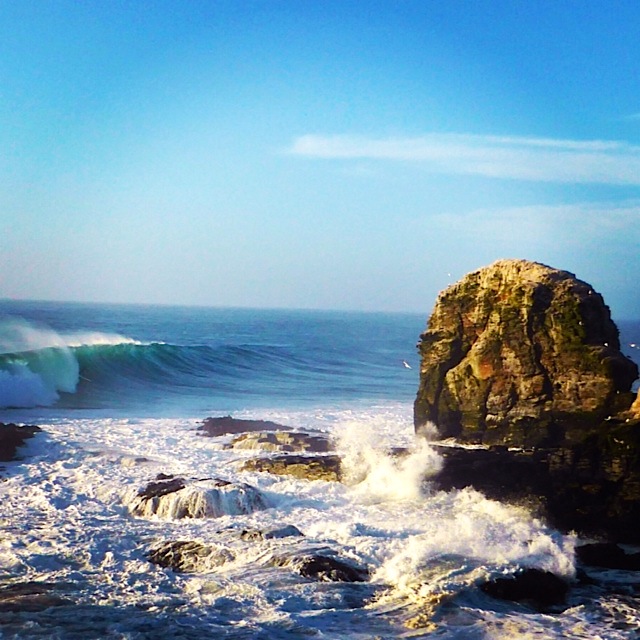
x,y
40,367
37,364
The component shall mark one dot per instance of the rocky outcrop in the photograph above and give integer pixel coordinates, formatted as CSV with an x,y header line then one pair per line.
x,y
286,441
304,467
189,556
224,425
288,531
525,360
13,436
325,567
175,497
521,354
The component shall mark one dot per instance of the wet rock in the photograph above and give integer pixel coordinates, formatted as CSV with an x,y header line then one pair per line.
x,y
326,568
189,556
521,354
538,589
163,485
525,360
305,467
177,498
31,597
12,436
224,425
282,532
608,556
282,441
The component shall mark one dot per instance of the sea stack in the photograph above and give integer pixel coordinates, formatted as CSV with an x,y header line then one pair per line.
x,y
521,354
525,360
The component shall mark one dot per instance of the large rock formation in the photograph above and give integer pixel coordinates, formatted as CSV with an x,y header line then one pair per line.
x,y
521,354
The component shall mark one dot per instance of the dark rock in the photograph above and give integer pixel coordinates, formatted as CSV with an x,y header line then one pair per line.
x,y
207,498
31,597
282,441
324,568
189,556
224,425
538,589
521,354
608,556
592,487
163,485
305,467
13,436
283,532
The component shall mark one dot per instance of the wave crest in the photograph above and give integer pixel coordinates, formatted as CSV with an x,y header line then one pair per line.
x,y
37,363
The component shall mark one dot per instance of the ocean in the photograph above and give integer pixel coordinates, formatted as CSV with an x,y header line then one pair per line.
x,y
121,391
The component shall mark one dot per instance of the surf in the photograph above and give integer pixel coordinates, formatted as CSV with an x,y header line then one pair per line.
x,y
38,364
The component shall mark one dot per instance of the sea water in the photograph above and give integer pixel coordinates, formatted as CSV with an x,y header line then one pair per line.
x,y
120,392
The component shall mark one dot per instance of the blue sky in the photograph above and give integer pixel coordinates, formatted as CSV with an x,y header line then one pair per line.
x,y
315,154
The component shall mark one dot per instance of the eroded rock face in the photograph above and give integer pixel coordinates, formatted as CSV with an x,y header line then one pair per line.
x,y
521,354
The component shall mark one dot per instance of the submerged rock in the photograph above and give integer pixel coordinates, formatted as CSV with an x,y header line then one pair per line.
x,y
327,568
189,556
224,425
305,467
178,498
288,531
282,441
538,589
31,597
521,354
12,436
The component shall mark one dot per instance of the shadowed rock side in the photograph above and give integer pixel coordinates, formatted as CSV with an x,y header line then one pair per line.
x,y
13,436
521,354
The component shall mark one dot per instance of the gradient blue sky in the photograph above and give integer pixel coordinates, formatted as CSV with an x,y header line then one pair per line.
x,y
315,154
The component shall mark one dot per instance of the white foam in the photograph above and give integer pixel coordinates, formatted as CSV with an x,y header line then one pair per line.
x,y
68,523
379,475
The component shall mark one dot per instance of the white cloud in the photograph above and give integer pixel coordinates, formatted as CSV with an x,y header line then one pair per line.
x,y
520,158
536,226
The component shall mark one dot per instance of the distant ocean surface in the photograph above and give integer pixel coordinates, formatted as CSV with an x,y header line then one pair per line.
x,y
144,360
120,391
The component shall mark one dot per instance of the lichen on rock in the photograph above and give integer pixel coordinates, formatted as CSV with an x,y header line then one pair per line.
x,y
519,353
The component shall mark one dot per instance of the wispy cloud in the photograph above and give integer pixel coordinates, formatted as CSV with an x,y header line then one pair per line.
x,y
519,158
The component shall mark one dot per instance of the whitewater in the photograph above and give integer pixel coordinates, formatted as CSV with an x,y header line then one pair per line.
x,y
120,393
